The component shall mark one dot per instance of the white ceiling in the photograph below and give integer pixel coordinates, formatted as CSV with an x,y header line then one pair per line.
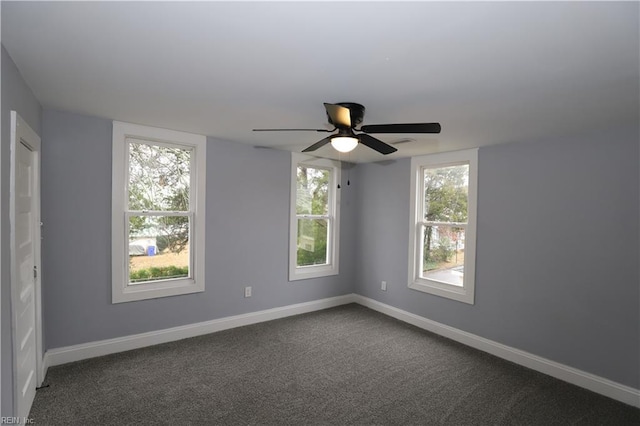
x,y
488,72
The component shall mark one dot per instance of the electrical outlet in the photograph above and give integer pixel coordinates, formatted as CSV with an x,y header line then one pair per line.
x,y
247,292
383,286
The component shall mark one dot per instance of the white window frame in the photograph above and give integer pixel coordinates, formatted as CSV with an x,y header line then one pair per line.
x,y
333,217
416,281
122,291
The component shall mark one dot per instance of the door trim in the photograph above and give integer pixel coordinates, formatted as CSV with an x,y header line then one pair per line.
x,y
22,133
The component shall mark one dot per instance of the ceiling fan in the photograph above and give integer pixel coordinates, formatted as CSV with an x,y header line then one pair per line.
x,y
345,116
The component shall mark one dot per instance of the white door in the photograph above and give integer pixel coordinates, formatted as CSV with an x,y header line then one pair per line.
x,y
25,251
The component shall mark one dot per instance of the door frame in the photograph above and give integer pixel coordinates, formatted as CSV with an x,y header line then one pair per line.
x,y
22,133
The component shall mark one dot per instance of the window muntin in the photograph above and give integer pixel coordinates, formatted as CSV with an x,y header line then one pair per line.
x,y
312,214
158,200
446,193
159,213
314,218
442,235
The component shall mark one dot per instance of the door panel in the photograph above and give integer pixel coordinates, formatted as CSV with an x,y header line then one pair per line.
x,y
24,299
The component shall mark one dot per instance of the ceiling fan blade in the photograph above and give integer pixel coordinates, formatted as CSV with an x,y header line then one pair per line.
x,y
293,130
339,115
317,145
403,140
402,128
376,144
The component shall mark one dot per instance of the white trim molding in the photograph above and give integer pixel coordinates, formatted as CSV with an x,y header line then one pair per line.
x,y
589,381
82,351
417,279
125,134
331,267
606,387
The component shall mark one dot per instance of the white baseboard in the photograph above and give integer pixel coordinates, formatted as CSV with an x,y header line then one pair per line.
x,y
82,351
594,383
563,372
44,366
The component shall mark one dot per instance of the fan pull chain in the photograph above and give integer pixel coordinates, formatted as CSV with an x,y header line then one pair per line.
x,y
340,161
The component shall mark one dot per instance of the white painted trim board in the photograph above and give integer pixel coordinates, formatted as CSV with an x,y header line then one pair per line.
x,y
82,351
563,372
589,381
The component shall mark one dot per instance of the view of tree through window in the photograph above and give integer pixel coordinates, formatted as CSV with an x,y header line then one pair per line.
x,y
445,219
312,209
159,212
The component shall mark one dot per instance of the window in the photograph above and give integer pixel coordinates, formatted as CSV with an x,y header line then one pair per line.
x,y
315,200
443,224
158,212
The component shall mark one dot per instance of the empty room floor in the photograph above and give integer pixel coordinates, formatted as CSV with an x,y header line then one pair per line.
x,y
340,366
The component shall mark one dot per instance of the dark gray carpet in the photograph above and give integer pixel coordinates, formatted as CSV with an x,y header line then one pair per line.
x,y
342,366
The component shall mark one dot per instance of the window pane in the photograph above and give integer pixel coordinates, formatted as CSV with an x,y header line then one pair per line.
x,y
312,196
159,177
312,242
158,248
446,192
443,254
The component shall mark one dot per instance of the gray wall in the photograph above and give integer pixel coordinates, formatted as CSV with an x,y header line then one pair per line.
x,y
557,250
568,291
558,242
17,96
246,242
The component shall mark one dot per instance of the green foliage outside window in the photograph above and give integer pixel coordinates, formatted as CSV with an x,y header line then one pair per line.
x,y
159,180
312,197
158,273
445,197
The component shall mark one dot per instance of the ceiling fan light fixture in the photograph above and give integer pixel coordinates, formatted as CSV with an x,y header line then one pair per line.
x,y
345,117
344,143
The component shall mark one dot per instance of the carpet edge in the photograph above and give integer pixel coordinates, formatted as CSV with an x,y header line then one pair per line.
x,y
583,379
67,354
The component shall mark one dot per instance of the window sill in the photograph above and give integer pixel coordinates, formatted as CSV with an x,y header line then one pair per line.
x,y
156,289
443,290
312,272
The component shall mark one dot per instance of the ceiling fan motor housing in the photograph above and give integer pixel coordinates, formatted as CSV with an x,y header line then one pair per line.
x,y
356,112
345,116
